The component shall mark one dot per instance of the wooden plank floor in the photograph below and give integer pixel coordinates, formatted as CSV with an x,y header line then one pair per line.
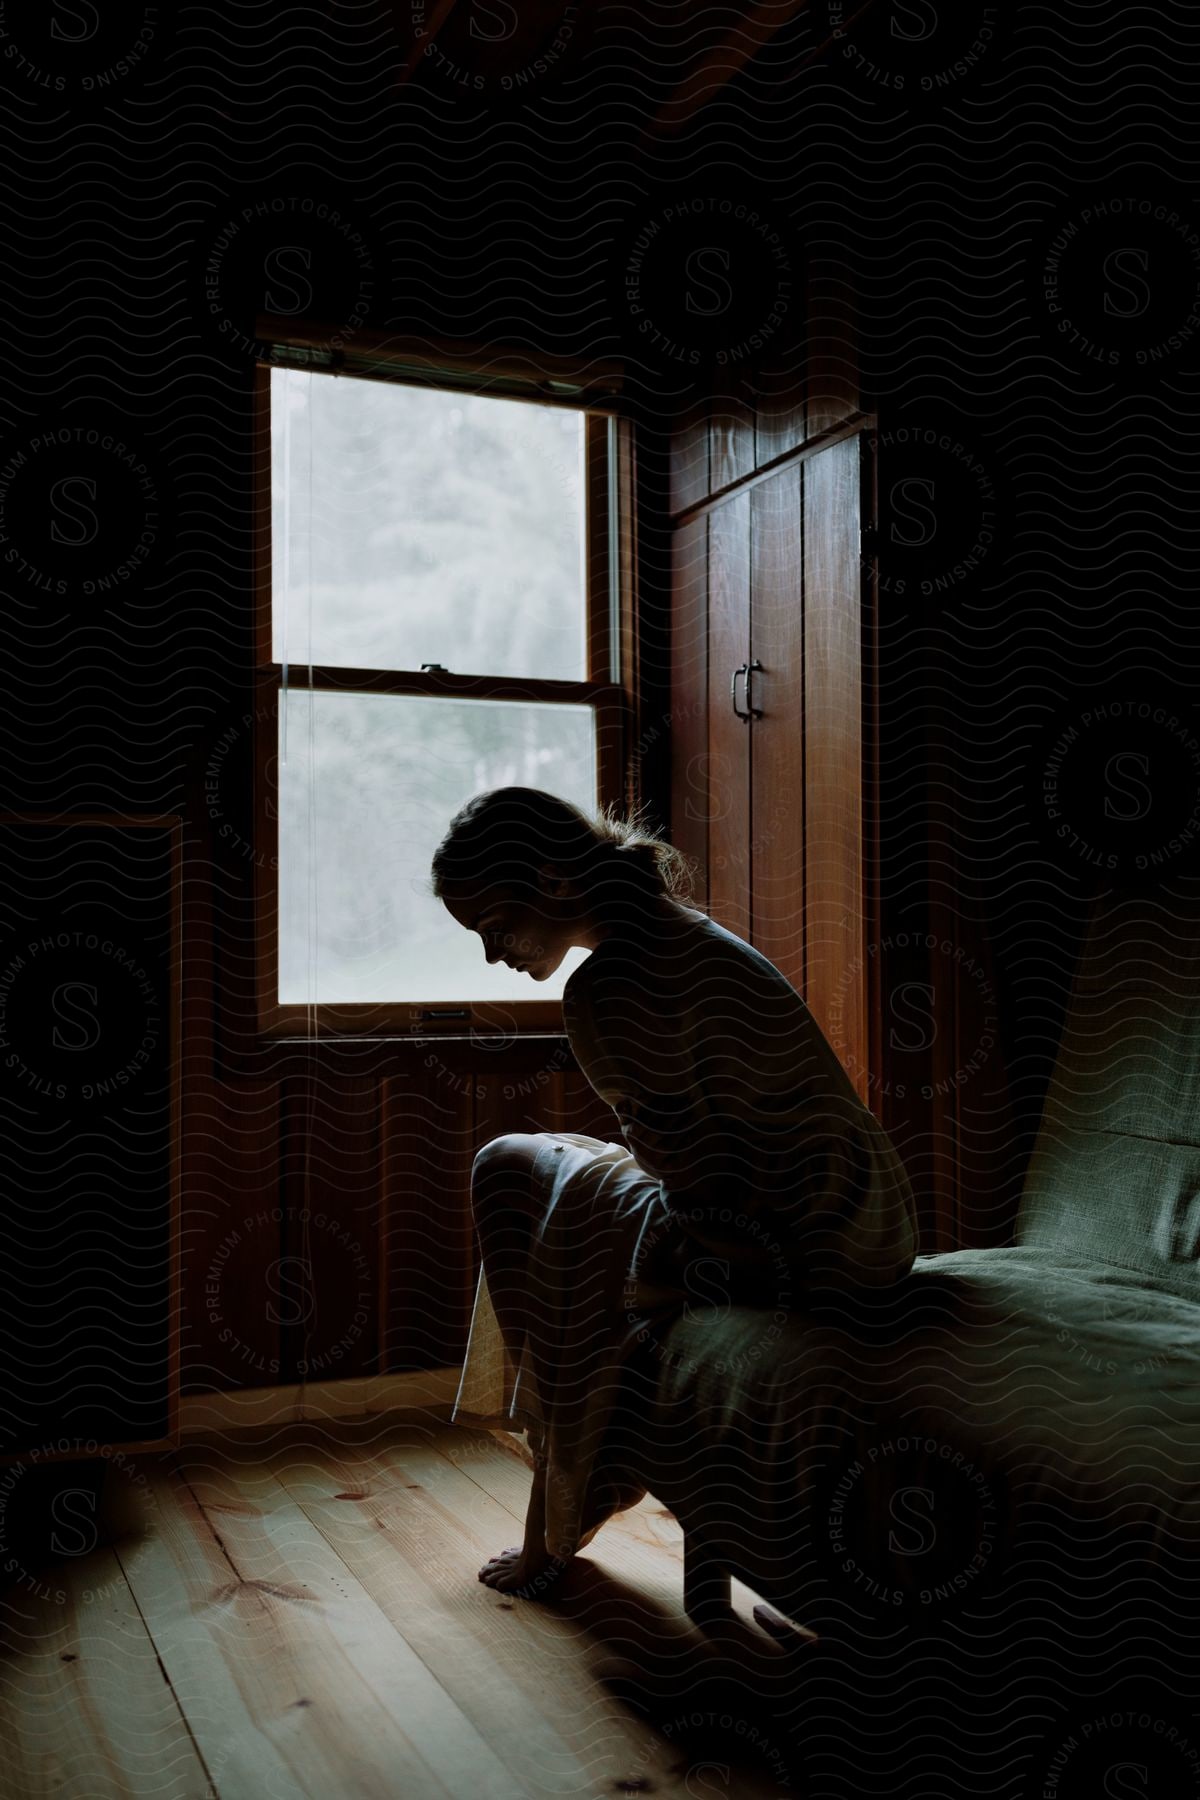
x,y
297,1615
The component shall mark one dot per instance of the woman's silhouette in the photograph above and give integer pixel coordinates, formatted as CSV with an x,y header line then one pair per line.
x,y
742,1144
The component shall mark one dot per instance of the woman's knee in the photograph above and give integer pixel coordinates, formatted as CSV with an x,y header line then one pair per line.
x,y
502,1172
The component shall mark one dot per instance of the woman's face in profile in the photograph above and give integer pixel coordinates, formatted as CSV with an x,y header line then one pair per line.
x,y
530,936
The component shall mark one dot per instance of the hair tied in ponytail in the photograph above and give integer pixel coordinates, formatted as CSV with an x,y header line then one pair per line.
x,y
499,838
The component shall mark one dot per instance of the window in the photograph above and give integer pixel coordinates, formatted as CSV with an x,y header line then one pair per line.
x,y
440,612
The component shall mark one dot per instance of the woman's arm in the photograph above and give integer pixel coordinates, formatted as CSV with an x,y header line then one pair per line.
x,y
673,1138
635,1060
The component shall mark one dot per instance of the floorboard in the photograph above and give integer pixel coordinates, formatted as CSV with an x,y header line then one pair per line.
x,y
295,1612
268,1669
513,1668
85,1713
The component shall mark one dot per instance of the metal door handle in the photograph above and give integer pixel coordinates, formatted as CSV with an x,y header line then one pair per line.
x,y
752,712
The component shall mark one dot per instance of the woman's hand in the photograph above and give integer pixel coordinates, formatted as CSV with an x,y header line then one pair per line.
x,y
670,1137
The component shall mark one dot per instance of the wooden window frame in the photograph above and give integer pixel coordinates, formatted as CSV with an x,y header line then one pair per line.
x,y
609,687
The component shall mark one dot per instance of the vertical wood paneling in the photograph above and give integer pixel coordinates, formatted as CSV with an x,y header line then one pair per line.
x,y
688,721
732,426
231,1235
780,420
323,1290
197,1116
688,477
399,1226
591,1114
571,1104
493,1116
729,737
428,1144
546,1106
837,949
873,915
777,739
633,627
431,1131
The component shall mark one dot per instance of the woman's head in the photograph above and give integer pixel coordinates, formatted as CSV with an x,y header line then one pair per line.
x,y
534,874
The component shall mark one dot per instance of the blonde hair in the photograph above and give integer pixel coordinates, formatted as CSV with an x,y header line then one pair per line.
x,y
500,839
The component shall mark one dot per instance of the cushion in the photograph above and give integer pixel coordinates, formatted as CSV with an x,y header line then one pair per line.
x,y
1116,1167
900,1463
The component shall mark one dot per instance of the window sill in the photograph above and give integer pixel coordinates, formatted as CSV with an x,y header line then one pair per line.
x,y
384,1056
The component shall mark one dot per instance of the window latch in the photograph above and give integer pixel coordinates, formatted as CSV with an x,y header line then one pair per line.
x,y
437,668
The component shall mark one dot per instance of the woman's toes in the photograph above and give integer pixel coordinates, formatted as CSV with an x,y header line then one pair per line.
x,y
515,1572
498,1568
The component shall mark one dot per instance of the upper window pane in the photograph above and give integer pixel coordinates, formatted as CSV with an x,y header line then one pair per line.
x,y
410,525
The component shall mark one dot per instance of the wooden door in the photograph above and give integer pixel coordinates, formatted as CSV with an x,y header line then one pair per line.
x,y
808,903
776,640
729,866
835,931
772,807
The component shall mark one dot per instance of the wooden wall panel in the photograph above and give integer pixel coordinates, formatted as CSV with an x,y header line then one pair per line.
x,y
779,422
729,737
500,1107
688,479
427,1238
323,1290
571,1105
231,1231
402,1251
836,987
777,802
385,1279
589,1113
731,425
428,1262
549,1107
687,721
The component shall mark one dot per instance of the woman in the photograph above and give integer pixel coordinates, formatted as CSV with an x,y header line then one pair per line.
x,y
742,1144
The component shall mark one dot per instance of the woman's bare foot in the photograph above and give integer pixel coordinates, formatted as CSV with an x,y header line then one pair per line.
x,y
516,1572
527,1570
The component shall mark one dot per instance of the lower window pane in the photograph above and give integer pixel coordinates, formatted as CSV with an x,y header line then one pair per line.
x,y
367,786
